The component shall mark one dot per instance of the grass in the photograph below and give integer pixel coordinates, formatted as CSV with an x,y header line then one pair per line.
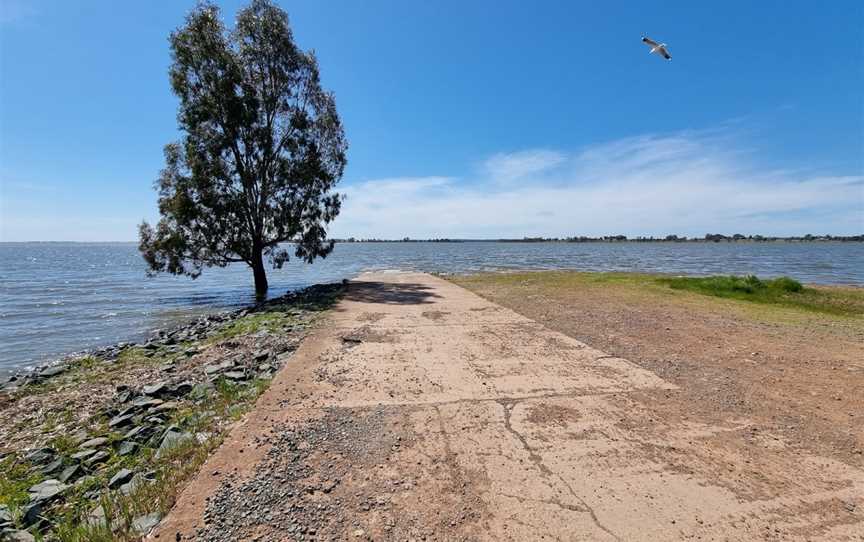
x,y
17,478
780,298
270,320
207,413
779,291
226,400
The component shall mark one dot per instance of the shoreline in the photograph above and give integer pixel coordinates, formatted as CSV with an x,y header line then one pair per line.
x,y
96,446
156,334
7,375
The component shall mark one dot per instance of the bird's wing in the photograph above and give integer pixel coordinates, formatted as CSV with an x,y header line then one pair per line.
x,y
665,53
649,42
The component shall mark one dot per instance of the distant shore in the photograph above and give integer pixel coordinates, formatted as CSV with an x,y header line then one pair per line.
x,y
710,238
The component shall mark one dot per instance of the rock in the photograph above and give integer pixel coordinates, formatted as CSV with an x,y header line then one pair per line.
x,y
52,466
191,351
70,473
83,455
48,372
121,477
218,368
97,458
32,513
236,375
41,456
155,389
9,387
145,402
96,517
202,390
121,421
164,407
128,410
93,443
129,487
144,524
133,484
172,438
47,490
18,536
261,355
182,388
126,448
139,433
5,515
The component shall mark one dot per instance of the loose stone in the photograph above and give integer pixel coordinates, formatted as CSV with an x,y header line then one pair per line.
x,y
121,477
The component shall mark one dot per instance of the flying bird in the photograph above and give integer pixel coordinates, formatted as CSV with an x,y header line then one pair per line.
x,y
659,48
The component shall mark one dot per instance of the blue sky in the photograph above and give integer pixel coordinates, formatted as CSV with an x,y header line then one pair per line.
x,y
470,119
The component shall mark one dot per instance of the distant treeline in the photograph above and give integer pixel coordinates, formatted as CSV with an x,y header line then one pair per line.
x,y
708,238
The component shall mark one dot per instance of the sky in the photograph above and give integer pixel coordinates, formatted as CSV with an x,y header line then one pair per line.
x,y
479,119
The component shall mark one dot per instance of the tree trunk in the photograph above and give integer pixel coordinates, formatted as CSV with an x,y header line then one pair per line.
x,y
260,274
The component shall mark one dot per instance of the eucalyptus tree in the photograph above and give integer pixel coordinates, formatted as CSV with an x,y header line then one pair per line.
x,y
262,148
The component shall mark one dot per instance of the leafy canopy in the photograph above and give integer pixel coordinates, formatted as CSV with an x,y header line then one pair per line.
x,y
263,147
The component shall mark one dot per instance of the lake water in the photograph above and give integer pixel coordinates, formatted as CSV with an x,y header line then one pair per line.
x,y
57,298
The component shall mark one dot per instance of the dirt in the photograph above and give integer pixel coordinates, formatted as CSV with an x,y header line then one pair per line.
x,y
448,417
796,374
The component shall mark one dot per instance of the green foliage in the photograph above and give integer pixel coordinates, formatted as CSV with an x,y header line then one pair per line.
x,y
269,320
779,291
15,478
786,284
263,147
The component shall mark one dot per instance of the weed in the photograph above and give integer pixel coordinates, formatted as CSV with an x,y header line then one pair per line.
x,y
779,291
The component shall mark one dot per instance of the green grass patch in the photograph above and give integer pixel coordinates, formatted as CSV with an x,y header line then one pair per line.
x,y
270,321
779,291
15,480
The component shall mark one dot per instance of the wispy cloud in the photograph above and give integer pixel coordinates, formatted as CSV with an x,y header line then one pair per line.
x,y
687,183
507,167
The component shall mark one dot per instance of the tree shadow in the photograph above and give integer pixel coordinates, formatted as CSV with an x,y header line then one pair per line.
x,y
388,293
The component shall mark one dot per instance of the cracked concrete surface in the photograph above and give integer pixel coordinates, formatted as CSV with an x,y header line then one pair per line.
x,y
521,433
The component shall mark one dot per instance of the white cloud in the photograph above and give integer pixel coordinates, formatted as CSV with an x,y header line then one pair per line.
x,y
687,183
507,167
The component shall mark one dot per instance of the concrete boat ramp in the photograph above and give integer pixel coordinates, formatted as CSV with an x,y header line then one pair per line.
x,y
420,411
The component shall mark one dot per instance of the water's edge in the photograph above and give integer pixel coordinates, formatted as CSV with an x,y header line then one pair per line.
x,y
58,298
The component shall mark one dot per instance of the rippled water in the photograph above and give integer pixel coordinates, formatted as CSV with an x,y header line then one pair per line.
x,y
57,298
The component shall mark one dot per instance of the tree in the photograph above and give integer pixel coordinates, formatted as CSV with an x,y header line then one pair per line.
x,y
262,149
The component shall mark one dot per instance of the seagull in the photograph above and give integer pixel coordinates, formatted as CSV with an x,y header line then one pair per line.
x,y
659,48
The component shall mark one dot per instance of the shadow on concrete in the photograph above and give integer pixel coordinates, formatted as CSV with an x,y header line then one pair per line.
x,y
388,293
